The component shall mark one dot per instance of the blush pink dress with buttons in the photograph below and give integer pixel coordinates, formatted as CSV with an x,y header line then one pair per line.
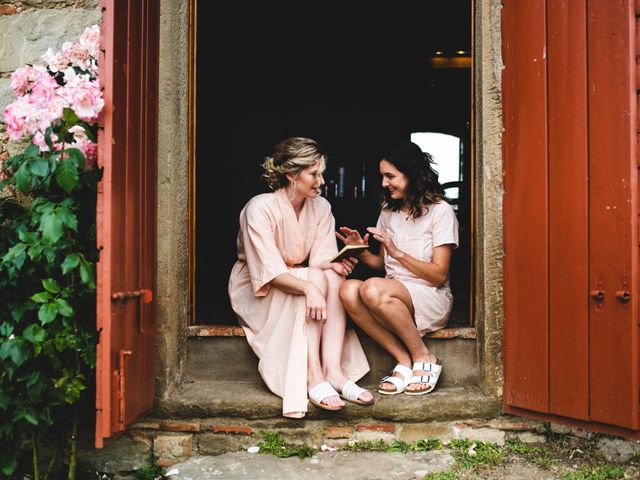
x,y
270,239
418,237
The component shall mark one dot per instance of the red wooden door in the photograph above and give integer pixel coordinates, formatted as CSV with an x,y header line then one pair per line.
x,y
126,214
570,212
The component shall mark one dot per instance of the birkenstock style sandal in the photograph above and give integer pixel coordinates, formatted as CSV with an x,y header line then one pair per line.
x,y
399,383
321,391
351,393
430,378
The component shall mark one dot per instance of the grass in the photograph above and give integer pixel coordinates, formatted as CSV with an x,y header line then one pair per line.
x,y
274,444
596,472
150,471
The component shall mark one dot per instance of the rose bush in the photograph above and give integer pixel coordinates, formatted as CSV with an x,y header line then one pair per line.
x,y
47,260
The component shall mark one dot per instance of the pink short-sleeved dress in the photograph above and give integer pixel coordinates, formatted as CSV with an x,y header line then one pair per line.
x,y
437,226
271,241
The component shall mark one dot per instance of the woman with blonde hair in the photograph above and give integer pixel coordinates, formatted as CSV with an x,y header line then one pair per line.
x,y
285,291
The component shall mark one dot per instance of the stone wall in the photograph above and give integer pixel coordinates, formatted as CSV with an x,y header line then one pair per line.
x,y
489,248
28,29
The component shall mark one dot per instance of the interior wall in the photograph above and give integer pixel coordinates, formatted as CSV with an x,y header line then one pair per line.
x,y
171,294
489,248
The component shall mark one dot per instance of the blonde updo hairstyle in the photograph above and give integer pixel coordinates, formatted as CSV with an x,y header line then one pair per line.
x,y
290,157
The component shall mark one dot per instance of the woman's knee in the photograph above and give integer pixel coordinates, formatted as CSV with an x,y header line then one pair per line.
x,y
349,292
372,292
334,281
317,277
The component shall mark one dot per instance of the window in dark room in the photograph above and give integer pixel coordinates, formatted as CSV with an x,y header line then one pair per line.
x,y
357,87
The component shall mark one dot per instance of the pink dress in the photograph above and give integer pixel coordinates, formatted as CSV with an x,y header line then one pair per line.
x,y
271,239
418,237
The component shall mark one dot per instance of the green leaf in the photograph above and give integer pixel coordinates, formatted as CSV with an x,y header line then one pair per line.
x,y
64,308
51,226
14,348
23,178
51,285
41,297
70,117
70,262
87,274
35,252
50,253
34,333
6,329
31,417
9,463
76,156
47,313
4,401
67,175
28,237
32,152
39,166
68,218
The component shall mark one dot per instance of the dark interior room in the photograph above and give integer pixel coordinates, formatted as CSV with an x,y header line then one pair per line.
x,y
357,82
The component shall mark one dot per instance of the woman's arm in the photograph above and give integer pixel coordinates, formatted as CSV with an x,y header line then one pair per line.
x,y
352,237
316,304
435,272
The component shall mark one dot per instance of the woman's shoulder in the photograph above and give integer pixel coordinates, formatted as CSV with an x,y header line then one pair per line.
x,y
259,204
441,206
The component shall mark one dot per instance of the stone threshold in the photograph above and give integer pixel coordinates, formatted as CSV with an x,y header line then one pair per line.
x,y
252,400
235,331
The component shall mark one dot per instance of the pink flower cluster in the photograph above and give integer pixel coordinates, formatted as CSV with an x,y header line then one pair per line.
x,y
69,80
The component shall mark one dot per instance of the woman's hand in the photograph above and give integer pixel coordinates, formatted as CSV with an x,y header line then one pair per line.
x,y
316,304
352,237
386,239
345,267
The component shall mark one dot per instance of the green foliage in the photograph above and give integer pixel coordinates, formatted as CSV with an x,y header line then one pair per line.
x,y
530,453
150,471
597,472
274,444
395,446
471,454
442,476
47,292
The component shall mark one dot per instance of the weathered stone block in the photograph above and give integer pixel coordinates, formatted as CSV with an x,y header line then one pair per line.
x,y
217,444
173,447
27,36
425,431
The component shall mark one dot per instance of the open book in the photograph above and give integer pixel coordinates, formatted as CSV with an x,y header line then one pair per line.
x,y
349,251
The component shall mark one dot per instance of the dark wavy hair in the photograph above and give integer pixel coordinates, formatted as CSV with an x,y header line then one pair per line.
x,y
423,188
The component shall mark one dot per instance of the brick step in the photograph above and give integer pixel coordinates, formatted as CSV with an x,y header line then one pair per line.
x,y
211,357
173,440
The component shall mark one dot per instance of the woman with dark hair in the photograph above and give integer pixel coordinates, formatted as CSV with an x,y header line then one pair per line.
x,y
284,288
417,231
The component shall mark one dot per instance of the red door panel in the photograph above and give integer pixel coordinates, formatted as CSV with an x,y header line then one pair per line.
x,y
577,159
126,215
526,283
568,209
613,212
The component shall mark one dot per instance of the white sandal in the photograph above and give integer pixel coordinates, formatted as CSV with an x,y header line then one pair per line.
x,y
321,391
351,393
400,383
430,379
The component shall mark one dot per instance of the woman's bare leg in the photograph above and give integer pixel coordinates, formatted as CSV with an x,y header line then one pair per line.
x,y
362,316
314,332
333,335
390,303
